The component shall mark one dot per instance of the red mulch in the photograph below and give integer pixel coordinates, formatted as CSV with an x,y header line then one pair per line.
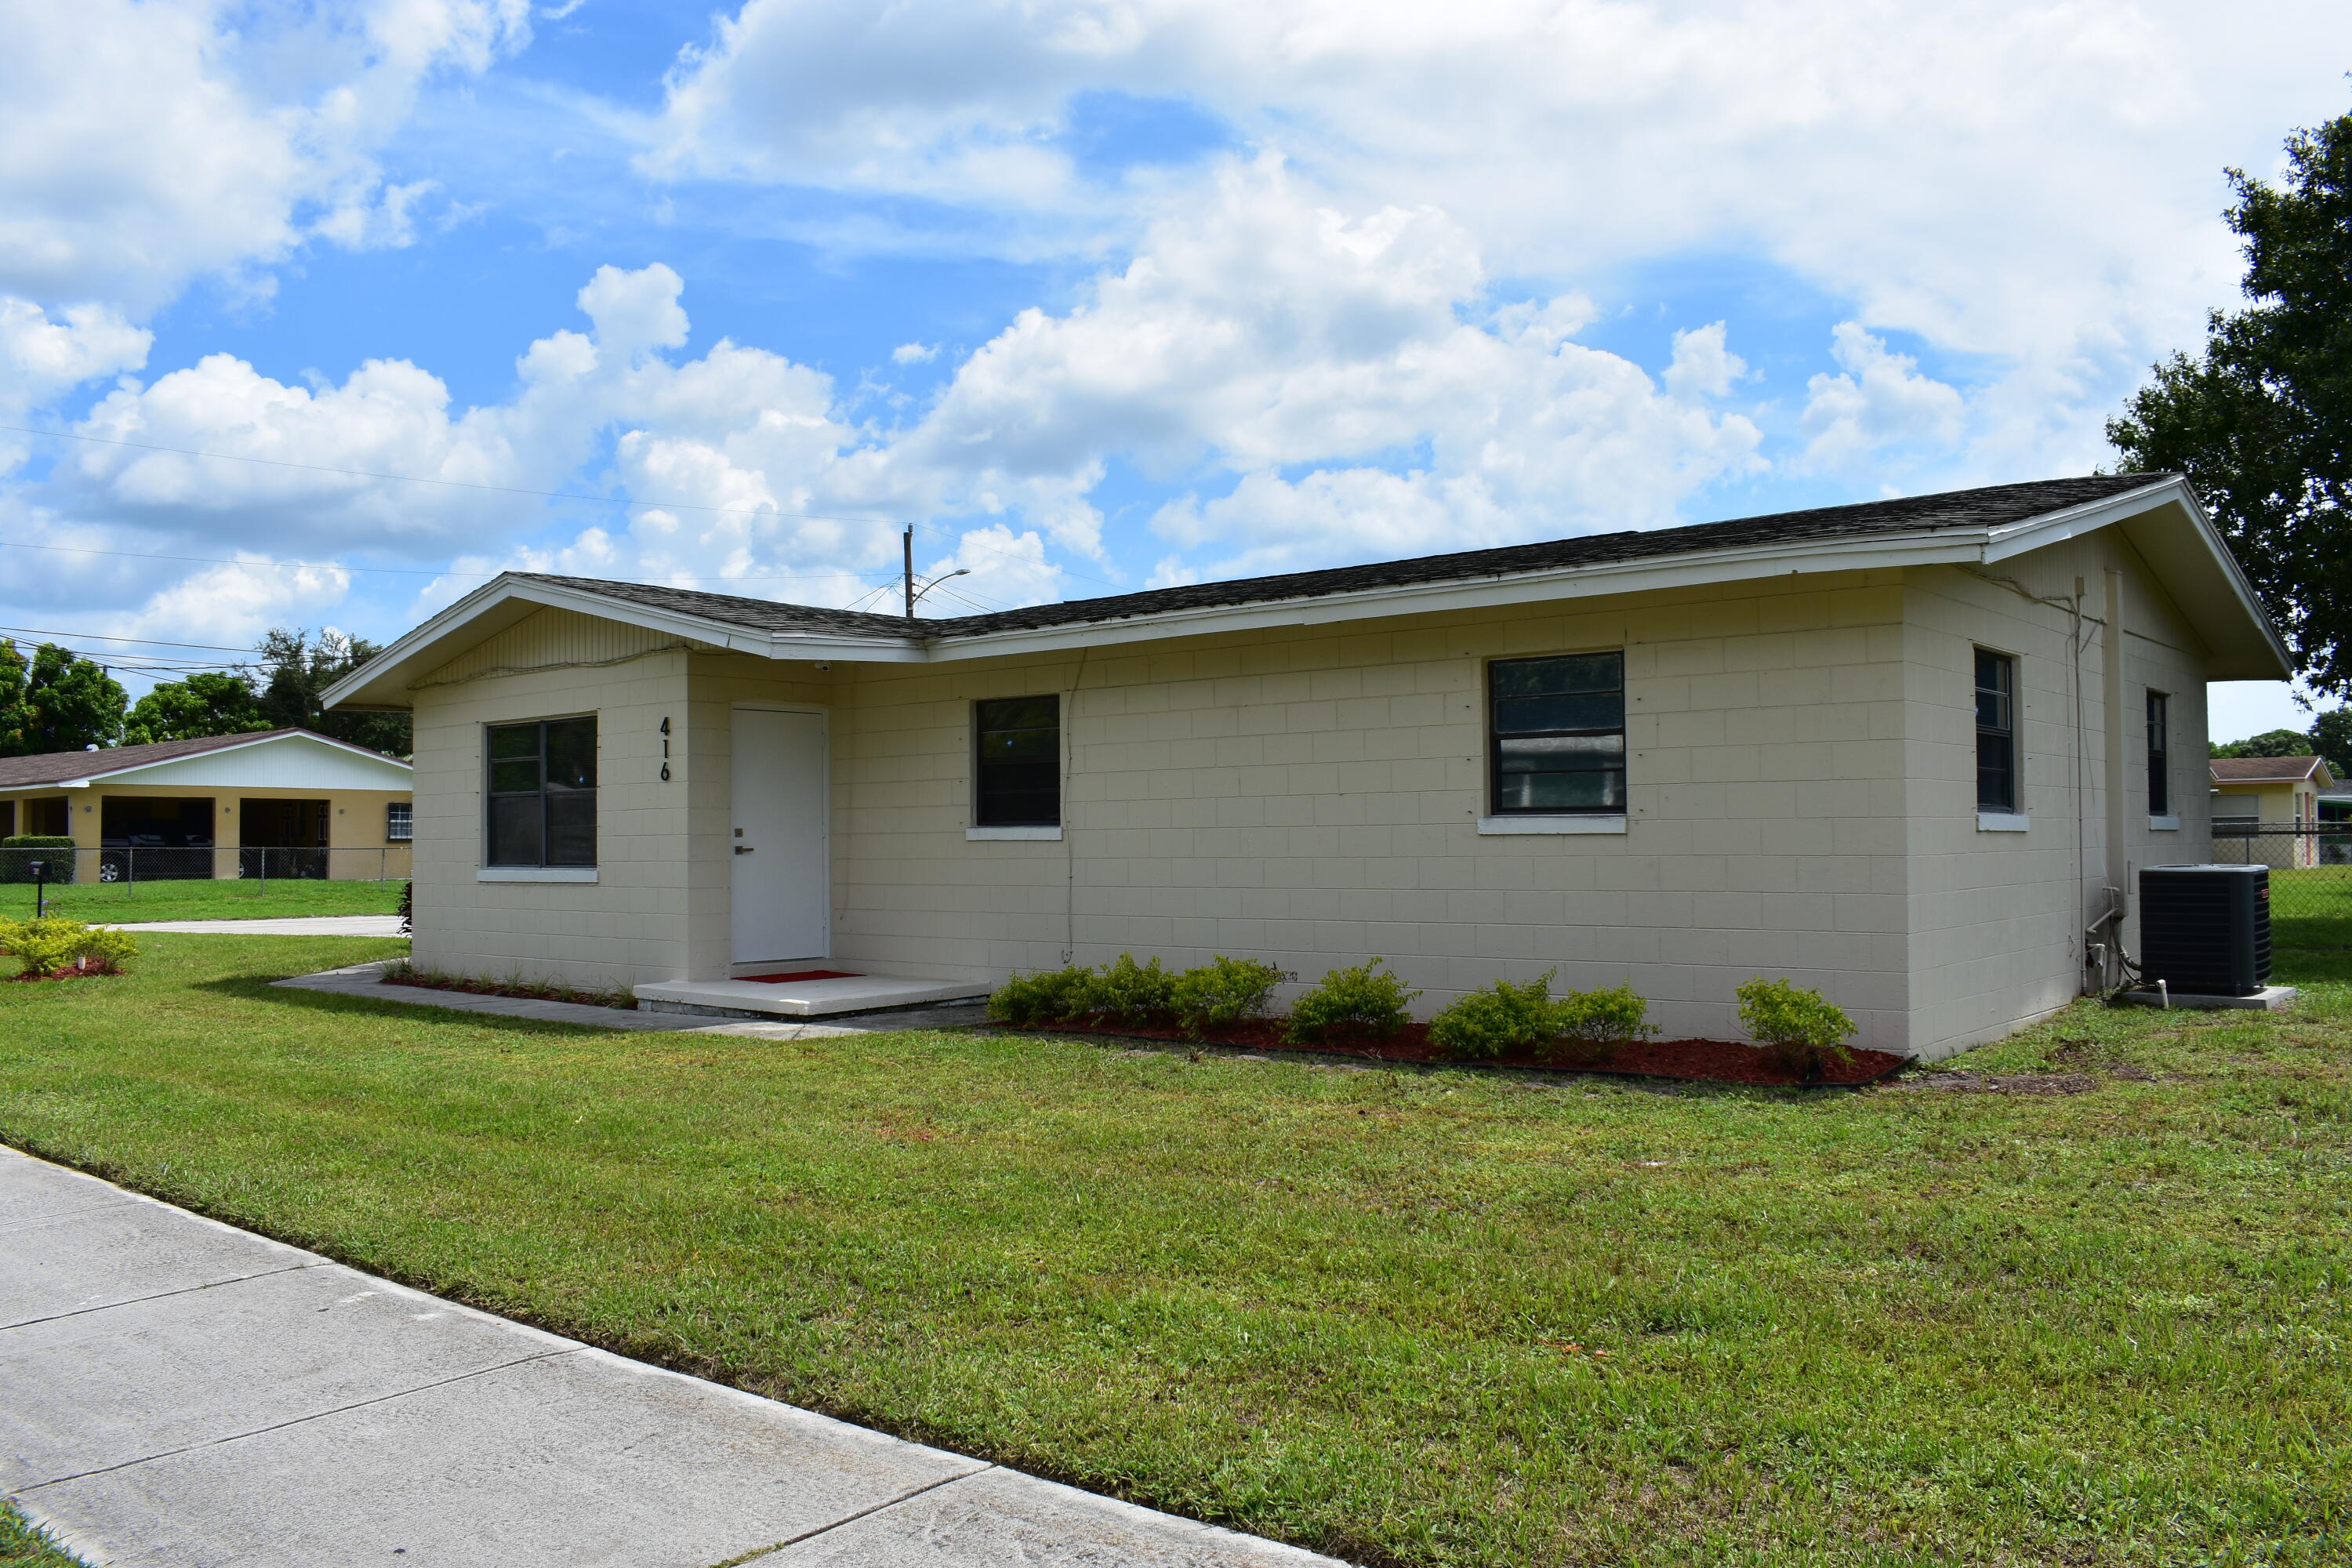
x,y
1707,1062
70,972
528,993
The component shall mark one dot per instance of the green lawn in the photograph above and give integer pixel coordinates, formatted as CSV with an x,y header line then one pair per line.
x,y
1437,1317
225,899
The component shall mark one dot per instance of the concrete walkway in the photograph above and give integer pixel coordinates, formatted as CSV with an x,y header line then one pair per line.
x,y
362,980
293,925
178,1393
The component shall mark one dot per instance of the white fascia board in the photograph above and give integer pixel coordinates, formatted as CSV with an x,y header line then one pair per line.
x,y
2056,527
1755,563
387,674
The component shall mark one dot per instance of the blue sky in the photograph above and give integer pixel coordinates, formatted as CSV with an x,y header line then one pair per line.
x,y
1096,293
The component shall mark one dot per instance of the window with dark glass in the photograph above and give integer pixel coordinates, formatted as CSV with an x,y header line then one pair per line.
x,y
1996,732
1017,771
2160,758
542,793
1556,733
399,821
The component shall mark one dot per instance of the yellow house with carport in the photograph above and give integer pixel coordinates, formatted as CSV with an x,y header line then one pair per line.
x,y
279,802
2274,797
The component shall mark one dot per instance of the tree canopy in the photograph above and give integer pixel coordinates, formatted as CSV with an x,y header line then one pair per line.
x,y
199,706
2330,739
56,702
2260,422
296,665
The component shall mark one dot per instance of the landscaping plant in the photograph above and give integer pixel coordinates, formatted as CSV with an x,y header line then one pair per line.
x,y
1223,992
1799,1027
1140,995
1352,1001
24,848
1047,996
1591,1025
1498,1020
53,946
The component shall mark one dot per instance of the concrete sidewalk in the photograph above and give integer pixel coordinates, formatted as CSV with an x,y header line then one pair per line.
x,y
291,925
179,1393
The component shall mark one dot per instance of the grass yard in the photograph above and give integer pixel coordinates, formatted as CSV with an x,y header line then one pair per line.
x,y
224,899
22,1546
1438,1317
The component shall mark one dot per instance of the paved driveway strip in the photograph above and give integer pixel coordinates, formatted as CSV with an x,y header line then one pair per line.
x,y
175,1391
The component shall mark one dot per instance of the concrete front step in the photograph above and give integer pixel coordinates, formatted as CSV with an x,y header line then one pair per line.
x,y
802,998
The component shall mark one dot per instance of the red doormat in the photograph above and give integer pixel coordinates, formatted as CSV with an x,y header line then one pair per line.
x,y
799,974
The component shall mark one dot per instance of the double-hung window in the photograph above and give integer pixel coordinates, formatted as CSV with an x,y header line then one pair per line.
x,y
542,793
2160,754
1996,733
1556,734
1017,762
399,821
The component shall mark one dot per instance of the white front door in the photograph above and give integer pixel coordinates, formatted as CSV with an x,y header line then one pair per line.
x,y
781,906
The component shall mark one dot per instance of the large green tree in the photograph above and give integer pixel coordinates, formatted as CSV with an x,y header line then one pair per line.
x,y
297,665
56,702
189,709
2261,420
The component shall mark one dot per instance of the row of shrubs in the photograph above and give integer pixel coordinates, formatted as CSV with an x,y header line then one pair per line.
x,y
1365,999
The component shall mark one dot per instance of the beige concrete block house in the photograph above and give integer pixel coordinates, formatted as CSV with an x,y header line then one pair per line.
x,y
1910,753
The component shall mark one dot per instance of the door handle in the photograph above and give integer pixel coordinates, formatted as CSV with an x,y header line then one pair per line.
x,y
744,849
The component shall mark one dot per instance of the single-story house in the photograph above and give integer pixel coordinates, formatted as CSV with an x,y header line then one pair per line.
x,y
2250,794
1909,752
275,802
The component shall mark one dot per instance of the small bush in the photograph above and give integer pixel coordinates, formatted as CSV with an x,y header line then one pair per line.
x,y
47,946
1223,992
1594,1023
1139,994
1353,1001
1499,1019
1797,1027
1048,997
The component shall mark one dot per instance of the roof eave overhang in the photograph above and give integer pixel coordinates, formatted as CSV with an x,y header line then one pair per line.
x,y
2246,646
384,682
2170,527
83,781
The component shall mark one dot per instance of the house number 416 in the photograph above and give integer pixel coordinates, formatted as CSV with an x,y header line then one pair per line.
x,y
665,735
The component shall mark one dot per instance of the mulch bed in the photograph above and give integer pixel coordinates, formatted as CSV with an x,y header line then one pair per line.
x,y
94,972
524,992
1703,1062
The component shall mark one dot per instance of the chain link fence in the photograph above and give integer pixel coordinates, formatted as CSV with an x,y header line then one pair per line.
x,y
129,866
2311,875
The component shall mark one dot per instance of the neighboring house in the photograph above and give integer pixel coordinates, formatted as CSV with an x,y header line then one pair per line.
x,y
1899,751
279,802
2281,794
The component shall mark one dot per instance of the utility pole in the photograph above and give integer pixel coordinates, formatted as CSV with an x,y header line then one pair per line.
x,y
908,541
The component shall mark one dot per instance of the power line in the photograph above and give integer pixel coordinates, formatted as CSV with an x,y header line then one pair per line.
x,y
102,637
515,490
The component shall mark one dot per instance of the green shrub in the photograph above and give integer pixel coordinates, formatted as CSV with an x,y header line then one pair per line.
x,y
1139,994
1797,1027
18,853
1353,1001
1048,997
1780,1014
1499,1019
1594,1023
46,946
1223,992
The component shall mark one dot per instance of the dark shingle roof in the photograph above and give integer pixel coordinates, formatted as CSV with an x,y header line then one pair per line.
x,y
2264,770
1994,506
56,767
